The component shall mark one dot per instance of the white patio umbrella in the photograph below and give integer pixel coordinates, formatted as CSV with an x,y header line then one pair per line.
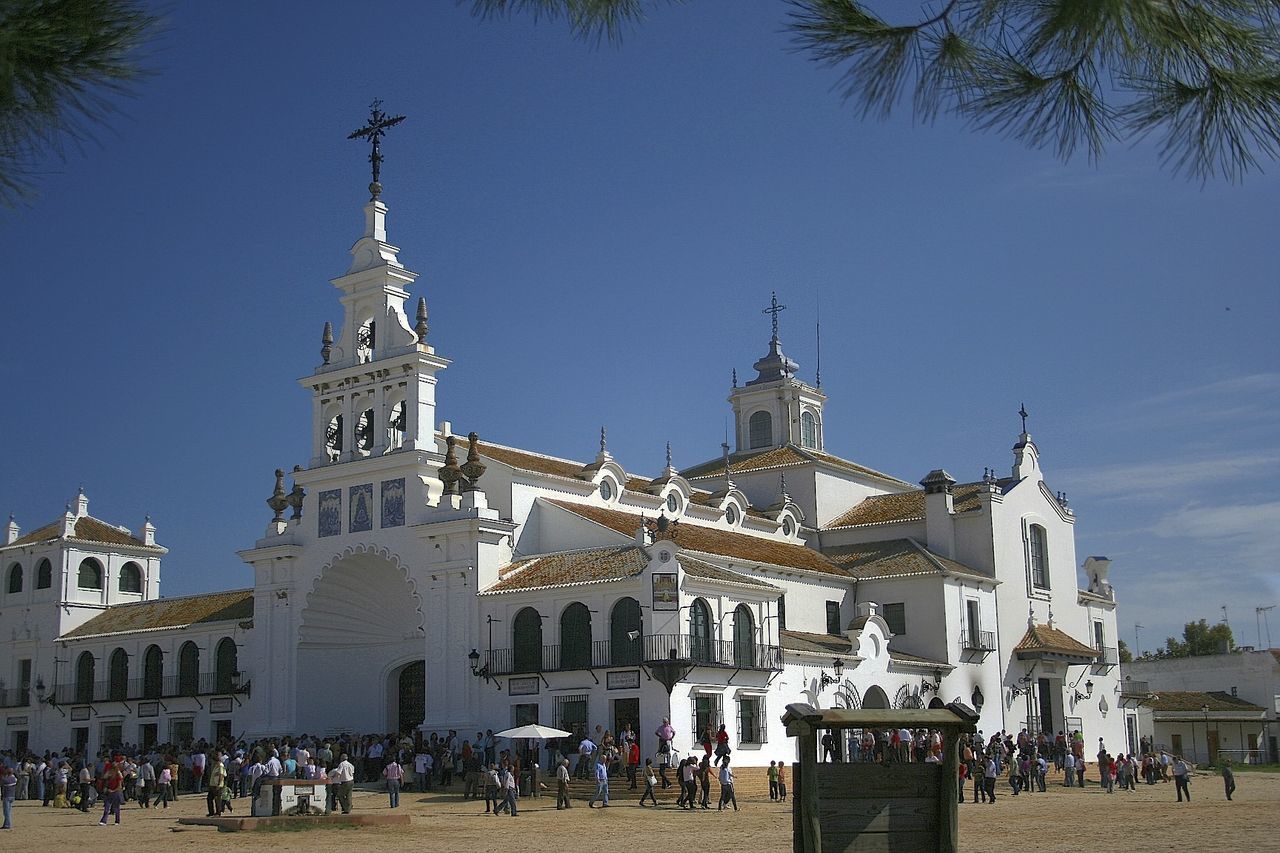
x,y
533,732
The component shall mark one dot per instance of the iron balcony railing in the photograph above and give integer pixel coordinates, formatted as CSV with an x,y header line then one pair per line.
x,y
600,654
1129,687
983,641
124,690
15,697
1110,656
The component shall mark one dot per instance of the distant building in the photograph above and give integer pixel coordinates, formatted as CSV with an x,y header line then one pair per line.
x,y
413,580
1210,703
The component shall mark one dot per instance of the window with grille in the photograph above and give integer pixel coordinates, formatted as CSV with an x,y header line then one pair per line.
x,y
571,714
760,430
1038,557
524,714
895,616
751,726
707,715
782,612
833,617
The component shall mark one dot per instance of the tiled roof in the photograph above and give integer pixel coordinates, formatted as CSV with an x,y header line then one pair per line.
x,y
788,455
526,461
709,541
916,660
87,529
594,565
1184,700
894,558
904,506
1042,638
169,613
804,641
700,569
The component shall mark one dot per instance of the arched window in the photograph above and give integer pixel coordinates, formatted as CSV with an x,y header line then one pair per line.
x,y
700,631
90,575
333,438
760,430
188,669
1038,556
118,676
527,645
15,578
131,578
364,432
152,673
624,621
744,637
575,637
44,575
808,430
397,423
84,678
225,665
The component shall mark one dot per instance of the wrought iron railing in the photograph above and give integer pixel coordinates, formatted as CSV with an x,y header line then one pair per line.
x,y
983,641
15,697
1109,656
601,654
124,690
1129,687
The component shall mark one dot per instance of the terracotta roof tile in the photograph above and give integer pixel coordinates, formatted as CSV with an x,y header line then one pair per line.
x,y
237,604
87,528
805,641
594,565
1184,700
775,457
700,569
1042,638
894,558
709,541
907,657
904,506
526,461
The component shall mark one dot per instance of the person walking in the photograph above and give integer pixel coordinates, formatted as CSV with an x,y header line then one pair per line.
x,y
510,789
562,785
8,790
633,761
85,778
726,786
112,790
344,776
394,774
773,781
989,776
689,782
649,781
665,734
1228,777
1180,773
602,784
704,781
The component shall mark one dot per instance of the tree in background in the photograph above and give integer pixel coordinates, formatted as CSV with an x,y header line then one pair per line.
x,y
1204,75
1198,638
1126,656
61,63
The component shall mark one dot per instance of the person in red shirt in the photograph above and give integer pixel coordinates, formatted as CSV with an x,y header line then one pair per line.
x,y
112,789
633,763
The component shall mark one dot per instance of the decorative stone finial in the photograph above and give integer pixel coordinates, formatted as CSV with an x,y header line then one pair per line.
x,y
668,454
326,342
278,500
1050,616
421,327
1031,615
728,479
296,496
473,469
604,443
450,474
735,377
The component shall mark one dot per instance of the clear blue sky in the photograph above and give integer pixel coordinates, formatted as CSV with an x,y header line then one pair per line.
x,y
598,230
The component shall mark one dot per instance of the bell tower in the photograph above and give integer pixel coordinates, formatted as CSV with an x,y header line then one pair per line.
x,y
776,408
374,391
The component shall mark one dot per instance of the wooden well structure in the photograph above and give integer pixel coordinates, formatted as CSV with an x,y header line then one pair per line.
x,y
864,807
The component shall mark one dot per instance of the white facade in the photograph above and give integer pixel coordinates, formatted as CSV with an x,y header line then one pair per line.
x,y
716,594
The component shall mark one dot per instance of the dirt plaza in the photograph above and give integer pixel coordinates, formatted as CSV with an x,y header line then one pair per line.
x,y
1062,820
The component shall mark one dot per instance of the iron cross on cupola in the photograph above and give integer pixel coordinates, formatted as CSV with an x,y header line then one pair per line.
x,y
374,131
1022,411
774,309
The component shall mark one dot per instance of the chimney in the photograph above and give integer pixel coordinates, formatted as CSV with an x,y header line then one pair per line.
x,y
69,522
148,536
82,504
939,509
11,532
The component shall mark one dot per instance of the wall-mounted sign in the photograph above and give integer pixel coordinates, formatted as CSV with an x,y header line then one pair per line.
x,y
665,594
627,679
361,507
525,685
78,714
16,721
220,706
148,709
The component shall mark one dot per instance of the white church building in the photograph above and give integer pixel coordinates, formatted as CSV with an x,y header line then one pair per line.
x,y
416,580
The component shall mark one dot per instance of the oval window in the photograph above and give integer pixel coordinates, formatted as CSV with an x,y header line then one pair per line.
x,y
606,489
673,502
787,527
731,514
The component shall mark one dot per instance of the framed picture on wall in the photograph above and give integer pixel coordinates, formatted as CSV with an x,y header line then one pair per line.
x,y
665,594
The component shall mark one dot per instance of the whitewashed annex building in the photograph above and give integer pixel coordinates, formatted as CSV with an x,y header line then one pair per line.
x,y
409,579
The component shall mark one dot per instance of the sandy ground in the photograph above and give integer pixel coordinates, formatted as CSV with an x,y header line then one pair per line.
x,y
1063,819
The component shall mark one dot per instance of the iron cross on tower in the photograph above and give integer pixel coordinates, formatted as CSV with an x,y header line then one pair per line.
x,y
774,308
374,131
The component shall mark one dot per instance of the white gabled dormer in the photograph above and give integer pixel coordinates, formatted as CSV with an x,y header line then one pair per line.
x,y
776,408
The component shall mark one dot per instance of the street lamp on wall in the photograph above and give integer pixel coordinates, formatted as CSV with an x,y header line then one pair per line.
x,y
1088,692
826,680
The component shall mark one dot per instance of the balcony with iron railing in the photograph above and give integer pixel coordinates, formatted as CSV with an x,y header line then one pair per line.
x,y
15,697
978,641
125,690
1129,687
601,654
1108,657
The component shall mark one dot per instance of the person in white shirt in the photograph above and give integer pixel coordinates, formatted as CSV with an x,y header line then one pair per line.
x,y
726,786
343,775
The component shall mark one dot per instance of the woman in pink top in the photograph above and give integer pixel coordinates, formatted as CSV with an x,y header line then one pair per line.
x,y
393,773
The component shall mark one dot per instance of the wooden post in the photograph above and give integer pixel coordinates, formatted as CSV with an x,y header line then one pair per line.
x,y
808,789
948,796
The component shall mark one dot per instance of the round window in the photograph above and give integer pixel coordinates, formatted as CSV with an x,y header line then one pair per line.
x,y
787,527
606,489
731,514
673,502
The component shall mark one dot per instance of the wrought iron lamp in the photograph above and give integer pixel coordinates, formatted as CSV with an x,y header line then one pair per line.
x,y
1088,692
827,680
